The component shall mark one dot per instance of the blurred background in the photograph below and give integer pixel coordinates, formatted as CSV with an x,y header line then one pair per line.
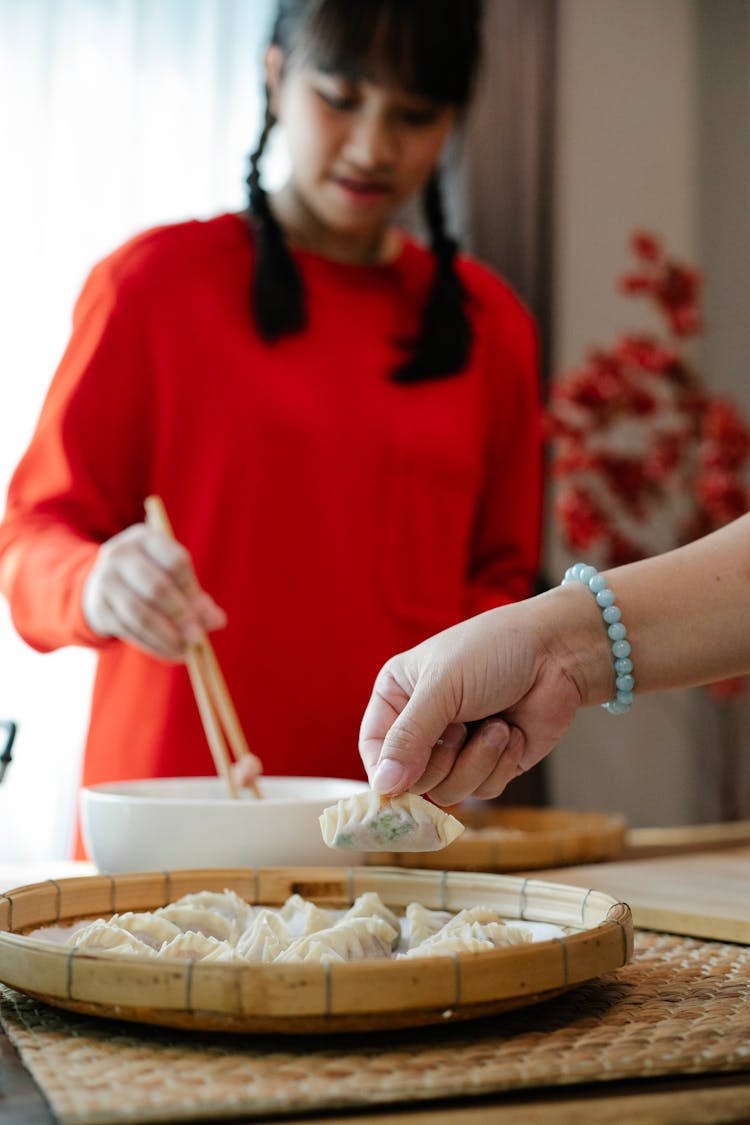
x,y
594,119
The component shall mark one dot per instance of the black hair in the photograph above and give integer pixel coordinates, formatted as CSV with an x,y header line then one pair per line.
x,y
430,47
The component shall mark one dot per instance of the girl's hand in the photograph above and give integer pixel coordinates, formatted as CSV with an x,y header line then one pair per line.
x,y
499,667
142,589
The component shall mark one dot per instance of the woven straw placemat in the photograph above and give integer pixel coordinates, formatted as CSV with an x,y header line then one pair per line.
x,y
682,1006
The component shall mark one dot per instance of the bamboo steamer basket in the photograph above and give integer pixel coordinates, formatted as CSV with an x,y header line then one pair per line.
x,y
519,839
310,997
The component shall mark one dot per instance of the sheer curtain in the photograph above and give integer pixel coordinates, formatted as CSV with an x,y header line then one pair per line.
x,y
115,115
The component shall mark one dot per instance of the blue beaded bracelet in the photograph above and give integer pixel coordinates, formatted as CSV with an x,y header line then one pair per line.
x,y
616,631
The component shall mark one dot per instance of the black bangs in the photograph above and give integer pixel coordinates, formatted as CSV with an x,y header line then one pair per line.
x,y
428,47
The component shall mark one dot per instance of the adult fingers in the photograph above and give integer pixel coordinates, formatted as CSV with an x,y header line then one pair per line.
x,y
533,733
511,765
475,764
442,758
408,745
386,703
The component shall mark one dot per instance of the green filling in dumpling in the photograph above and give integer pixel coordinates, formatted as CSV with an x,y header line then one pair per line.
x,y
389,827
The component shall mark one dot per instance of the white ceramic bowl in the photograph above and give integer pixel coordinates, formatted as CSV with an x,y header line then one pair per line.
x,y
169,823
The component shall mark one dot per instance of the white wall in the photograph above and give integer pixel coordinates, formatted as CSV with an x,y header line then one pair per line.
x,y
631,154
627,155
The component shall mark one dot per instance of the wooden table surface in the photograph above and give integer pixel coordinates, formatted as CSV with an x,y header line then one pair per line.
x,y
703,895
694,1100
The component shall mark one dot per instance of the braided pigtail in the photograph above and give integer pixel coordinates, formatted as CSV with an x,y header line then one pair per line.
x,y
278,299
442,347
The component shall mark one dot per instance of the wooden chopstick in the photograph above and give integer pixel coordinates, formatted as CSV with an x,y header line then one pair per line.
x,y
225,707
209,686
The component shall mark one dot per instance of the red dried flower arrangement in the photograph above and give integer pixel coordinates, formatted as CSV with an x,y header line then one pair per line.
x,y
644,458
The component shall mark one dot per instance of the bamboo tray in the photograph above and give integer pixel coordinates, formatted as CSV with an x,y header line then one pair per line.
x,y
310,997
501,838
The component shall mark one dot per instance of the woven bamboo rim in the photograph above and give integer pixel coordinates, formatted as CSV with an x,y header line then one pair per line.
x,y
309,997
551,838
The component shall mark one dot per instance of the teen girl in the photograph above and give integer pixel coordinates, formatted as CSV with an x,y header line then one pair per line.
x,y
343,424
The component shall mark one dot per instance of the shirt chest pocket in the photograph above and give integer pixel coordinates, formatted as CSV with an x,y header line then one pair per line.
x,y
424,541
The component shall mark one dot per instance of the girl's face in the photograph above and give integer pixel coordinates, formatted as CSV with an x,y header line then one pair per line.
x,y
358,150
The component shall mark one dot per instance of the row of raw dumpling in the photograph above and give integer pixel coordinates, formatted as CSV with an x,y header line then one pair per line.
x,y
213,926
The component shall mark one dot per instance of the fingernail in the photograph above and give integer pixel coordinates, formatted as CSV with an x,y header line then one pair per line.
x,y
495,730
389,775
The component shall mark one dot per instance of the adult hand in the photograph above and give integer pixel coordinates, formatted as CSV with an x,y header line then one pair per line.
x,y
143,589
502,667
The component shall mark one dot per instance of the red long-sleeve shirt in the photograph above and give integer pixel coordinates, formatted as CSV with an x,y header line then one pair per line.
x,y
337,516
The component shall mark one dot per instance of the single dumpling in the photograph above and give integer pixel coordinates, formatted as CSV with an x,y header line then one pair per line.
x,y
457,942
481,923
104,937
191,946
370,823
470,937
303,917
200,919
371,905
358,939
265,938
499,933
480,913
227,903
423,923
147,927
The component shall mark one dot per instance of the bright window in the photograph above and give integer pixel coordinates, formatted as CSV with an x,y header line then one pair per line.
x,y
115,115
